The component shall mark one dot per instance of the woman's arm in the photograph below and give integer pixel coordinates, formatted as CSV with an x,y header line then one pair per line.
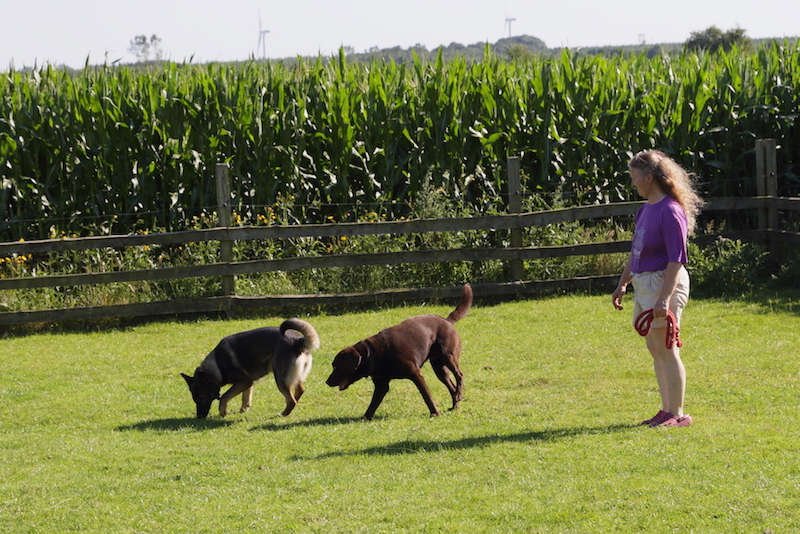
x,y
622,287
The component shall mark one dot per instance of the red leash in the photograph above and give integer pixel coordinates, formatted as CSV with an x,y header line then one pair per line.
x,y
645,319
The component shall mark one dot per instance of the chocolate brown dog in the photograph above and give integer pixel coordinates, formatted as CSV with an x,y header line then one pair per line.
x,y
401,350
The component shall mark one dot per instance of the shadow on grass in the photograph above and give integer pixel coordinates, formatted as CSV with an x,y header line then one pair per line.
x,y
211,423
322,421
416,447
177,424
769,299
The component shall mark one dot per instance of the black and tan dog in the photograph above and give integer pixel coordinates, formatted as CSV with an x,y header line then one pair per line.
x,y
243,359
401,350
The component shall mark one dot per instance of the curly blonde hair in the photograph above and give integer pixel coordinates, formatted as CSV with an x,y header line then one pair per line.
x,y
673,180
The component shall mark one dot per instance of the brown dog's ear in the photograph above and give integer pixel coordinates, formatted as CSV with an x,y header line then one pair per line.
x,y
364,350
189,379
350,359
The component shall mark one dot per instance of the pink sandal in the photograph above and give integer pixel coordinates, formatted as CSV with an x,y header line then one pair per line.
x,y
656,417
684,420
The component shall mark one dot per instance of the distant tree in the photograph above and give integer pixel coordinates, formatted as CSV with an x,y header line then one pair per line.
x,y
534,44
518,52
713,39
145,49
520,47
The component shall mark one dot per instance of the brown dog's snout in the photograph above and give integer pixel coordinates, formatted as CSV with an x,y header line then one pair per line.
x,y
344,365
336,379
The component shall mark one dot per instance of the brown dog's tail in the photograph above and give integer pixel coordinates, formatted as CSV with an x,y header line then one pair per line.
x,y
309,334
463,305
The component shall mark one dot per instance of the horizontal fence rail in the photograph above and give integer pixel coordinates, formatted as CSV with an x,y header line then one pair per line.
x,y
231,268
248,233
489,222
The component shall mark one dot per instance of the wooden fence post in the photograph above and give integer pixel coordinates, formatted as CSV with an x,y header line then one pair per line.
x,y
515,206
223,177
767,186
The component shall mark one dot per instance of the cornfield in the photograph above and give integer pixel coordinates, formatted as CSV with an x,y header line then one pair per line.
x,y
116,149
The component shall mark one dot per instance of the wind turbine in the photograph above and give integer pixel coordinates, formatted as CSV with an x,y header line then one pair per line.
x,y
509,20
262,41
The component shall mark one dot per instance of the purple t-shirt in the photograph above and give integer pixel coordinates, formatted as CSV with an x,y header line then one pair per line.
x,y
660,236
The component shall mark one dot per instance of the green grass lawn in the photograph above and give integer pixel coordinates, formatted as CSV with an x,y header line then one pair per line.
x,y
98,434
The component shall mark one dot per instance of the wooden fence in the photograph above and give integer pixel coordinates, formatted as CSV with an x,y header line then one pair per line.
x,y
767,206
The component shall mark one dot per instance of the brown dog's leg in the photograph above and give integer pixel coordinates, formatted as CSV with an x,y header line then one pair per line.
x,y
381,389
459,392
444,376
422,386
455,388
237,388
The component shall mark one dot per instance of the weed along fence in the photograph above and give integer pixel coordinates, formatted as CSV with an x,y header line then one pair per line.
x,y
767,205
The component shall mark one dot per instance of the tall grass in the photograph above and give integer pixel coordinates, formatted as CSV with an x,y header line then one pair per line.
x,y
111,149
99,433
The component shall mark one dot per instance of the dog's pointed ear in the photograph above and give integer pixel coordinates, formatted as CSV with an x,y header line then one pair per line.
x,y
189,379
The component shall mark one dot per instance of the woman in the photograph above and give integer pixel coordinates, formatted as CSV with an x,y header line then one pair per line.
x,y
656,269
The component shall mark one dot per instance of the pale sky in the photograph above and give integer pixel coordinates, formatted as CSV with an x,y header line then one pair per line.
x,y
62,32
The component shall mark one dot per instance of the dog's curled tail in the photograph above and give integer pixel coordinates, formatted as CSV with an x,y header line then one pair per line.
x,y
463,305
309,334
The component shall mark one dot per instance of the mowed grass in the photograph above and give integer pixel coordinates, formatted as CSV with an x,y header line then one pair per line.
x,y
98,433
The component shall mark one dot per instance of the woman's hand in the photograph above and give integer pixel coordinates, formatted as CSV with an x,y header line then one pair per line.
x,y
616,297
660,307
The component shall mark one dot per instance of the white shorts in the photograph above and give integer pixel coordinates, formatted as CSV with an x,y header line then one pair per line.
x,y
646,289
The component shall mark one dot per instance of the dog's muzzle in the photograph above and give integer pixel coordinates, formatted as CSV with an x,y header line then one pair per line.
x,y
203,408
